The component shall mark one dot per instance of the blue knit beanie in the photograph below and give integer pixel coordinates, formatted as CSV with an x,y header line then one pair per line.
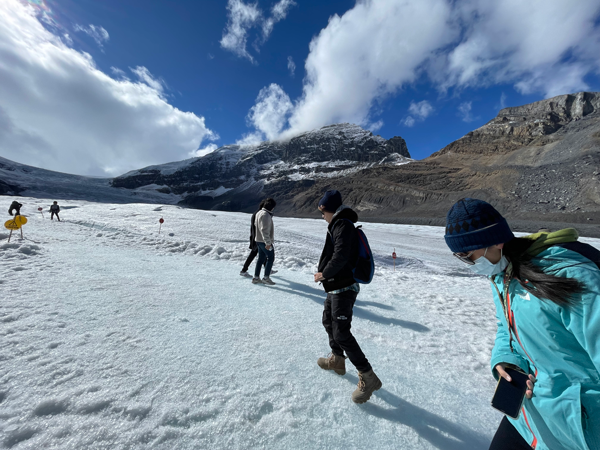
x,y
331,201
472,224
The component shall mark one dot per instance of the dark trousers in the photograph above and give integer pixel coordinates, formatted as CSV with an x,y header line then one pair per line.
x,y
251,257
264,255
508,438
249,260
337,319
52,216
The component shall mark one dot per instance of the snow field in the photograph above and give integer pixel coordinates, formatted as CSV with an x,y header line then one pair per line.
x,y
112,336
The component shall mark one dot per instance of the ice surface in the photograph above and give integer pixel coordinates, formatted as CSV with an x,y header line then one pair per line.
x,y
113,336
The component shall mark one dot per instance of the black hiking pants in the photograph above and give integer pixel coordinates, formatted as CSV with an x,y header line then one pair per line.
x,y
508,438
52,213
337,318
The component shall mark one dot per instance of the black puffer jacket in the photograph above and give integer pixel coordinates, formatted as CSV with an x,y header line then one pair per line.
x,y
337,261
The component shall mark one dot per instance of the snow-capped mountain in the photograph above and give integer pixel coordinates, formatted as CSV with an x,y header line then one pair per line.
x,y
234,177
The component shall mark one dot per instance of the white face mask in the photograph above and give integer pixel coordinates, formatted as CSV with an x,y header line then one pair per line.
x,y
483,266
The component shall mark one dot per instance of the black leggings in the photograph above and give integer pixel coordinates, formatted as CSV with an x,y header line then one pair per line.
x,y
508,438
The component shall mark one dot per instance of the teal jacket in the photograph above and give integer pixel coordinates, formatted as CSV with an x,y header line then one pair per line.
x,y
561,347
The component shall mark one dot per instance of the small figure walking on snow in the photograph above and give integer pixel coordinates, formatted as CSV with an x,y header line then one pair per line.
x,y
264,238
54,209
15,206
253,247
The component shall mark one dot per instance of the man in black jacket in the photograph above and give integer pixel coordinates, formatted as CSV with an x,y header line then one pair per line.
x,y
337,261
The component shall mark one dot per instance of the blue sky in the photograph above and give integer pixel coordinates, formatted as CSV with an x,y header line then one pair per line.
x,y
103,87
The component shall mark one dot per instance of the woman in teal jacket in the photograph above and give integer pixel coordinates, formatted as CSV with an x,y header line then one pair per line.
x,y
547,296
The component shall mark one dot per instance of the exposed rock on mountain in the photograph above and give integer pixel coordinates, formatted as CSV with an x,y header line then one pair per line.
x,y
236,177
537,162
535,124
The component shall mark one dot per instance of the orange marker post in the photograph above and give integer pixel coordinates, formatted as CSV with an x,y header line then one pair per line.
x,y
394,257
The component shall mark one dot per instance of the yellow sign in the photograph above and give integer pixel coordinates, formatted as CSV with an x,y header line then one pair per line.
x,y
15,223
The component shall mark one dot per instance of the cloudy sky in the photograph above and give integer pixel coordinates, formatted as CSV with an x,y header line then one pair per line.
x,y
103,87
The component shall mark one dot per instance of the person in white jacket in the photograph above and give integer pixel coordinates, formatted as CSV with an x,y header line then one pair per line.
x,y
264,240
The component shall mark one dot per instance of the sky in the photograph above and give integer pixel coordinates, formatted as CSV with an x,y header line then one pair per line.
x,y
103,87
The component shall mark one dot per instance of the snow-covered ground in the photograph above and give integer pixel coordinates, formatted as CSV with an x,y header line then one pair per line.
x,y
115,337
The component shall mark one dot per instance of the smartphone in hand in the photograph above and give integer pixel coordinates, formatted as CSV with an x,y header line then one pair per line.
x,y
509,396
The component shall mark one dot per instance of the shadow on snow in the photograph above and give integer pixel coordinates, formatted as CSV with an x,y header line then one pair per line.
x,y
317,296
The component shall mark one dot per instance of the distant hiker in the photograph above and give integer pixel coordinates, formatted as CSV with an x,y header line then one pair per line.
x,y
15,206
546,287
54,209
338,258
264,238
253,247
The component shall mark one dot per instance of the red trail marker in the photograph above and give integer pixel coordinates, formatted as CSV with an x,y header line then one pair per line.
x,y
394,257
161,221
40,209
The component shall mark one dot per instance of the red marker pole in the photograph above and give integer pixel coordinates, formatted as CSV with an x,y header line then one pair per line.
x,y
394,257
161,221
41,212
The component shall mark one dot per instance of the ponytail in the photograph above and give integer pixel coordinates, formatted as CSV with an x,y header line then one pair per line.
x,y
533,279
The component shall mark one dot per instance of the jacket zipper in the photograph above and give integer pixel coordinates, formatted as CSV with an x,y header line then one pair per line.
x,y
513,325
534,443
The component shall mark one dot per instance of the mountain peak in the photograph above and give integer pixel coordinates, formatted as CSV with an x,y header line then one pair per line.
x,y
534,124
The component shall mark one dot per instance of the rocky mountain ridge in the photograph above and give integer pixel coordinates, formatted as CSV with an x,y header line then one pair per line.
x,y
538,162
234,177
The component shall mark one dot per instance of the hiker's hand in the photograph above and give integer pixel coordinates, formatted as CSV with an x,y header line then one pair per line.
x,y
319,277
530,383
268,247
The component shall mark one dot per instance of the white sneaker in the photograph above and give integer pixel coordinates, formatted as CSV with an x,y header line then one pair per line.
x,y
245,274
268,281
256,280
273,272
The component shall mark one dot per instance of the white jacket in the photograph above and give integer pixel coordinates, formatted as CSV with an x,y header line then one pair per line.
x,y
264,227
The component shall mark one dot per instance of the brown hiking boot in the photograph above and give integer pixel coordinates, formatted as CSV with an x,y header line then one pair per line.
x,y
367,384
333,362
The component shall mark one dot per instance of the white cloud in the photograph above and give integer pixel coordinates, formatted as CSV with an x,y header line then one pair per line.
x,y
534,44
465,112
58,111
145,76
419,112
278,13
503,101
242,17
251,139
204,151
291,66
119,73
269,114
421,109
97,33
375,126
378,47
409,121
